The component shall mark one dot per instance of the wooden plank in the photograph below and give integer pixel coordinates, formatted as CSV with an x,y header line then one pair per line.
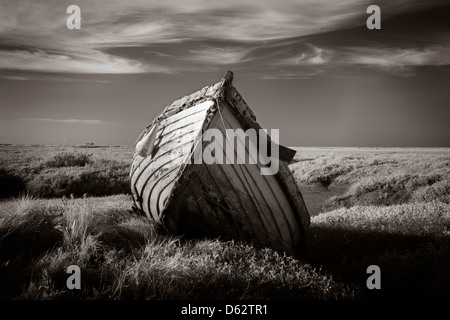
x,y
186,136
189,211
171,139
217,194
264,225
190,115
237,201
178,124
256,223
152,172
185,102
172,150
213,221
155,186
294,208
164,116
163,197
294,196
277,195
182,209
265,190
246,173
198,221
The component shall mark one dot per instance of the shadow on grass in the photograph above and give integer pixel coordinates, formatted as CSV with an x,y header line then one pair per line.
x,y
11,185
21,241
32,244
412,267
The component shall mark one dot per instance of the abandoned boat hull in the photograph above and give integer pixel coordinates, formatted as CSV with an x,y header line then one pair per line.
x,y
231,201
153,177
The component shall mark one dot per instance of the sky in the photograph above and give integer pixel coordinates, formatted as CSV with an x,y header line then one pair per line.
x,y
310,68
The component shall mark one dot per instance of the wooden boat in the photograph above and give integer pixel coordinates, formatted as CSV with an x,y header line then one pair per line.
x,y
230,201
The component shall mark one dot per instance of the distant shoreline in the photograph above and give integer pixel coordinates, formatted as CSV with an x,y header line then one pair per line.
x,y
88,145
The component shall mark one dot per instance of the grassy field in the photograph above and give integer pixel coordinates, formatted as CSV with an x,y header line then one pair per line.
x,y
65,205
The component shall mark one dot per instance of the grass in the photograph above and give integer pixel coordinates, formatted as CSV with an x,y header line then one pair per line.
x,y
68,159
122,256
393,212
101,178
10,184
377,177
409,242
50,172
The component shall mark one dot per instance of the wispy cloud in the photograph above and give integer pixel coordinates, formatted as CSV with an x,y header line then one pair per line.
x,y
398,60
234,20
43,43
217,55
16,78
78,121
309,55
142,36
433,56
89,61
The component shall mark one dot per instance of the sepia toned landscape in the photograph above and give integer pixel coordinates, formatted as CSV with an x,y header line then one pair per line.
x,y
121,122
71,205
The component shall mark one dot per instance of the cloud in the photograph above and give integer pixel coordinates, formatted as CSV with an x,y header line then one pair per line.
x,y
309,55
79,121
396,60
144,22
34,37
217,55
392,56
16,78
42,42
87,61
195,35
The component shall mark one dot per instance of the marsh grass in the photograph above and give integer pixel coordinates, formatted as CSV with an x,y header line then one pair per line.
x,y
377,177
102,178
409,242
122,256
394,213
26,231
68,159
11,184
65,172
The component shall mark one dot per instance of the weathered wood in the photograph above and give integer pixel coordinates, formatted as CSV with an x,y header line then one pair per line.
x,y
151,176
233,201
275,204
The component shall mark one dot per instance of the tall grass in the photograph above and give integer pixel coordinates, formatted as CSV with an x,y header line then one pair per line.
x,y
378,178
394,213
68,159
395,189
99,179
11,184
67,174
27,230
409,242
122,256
